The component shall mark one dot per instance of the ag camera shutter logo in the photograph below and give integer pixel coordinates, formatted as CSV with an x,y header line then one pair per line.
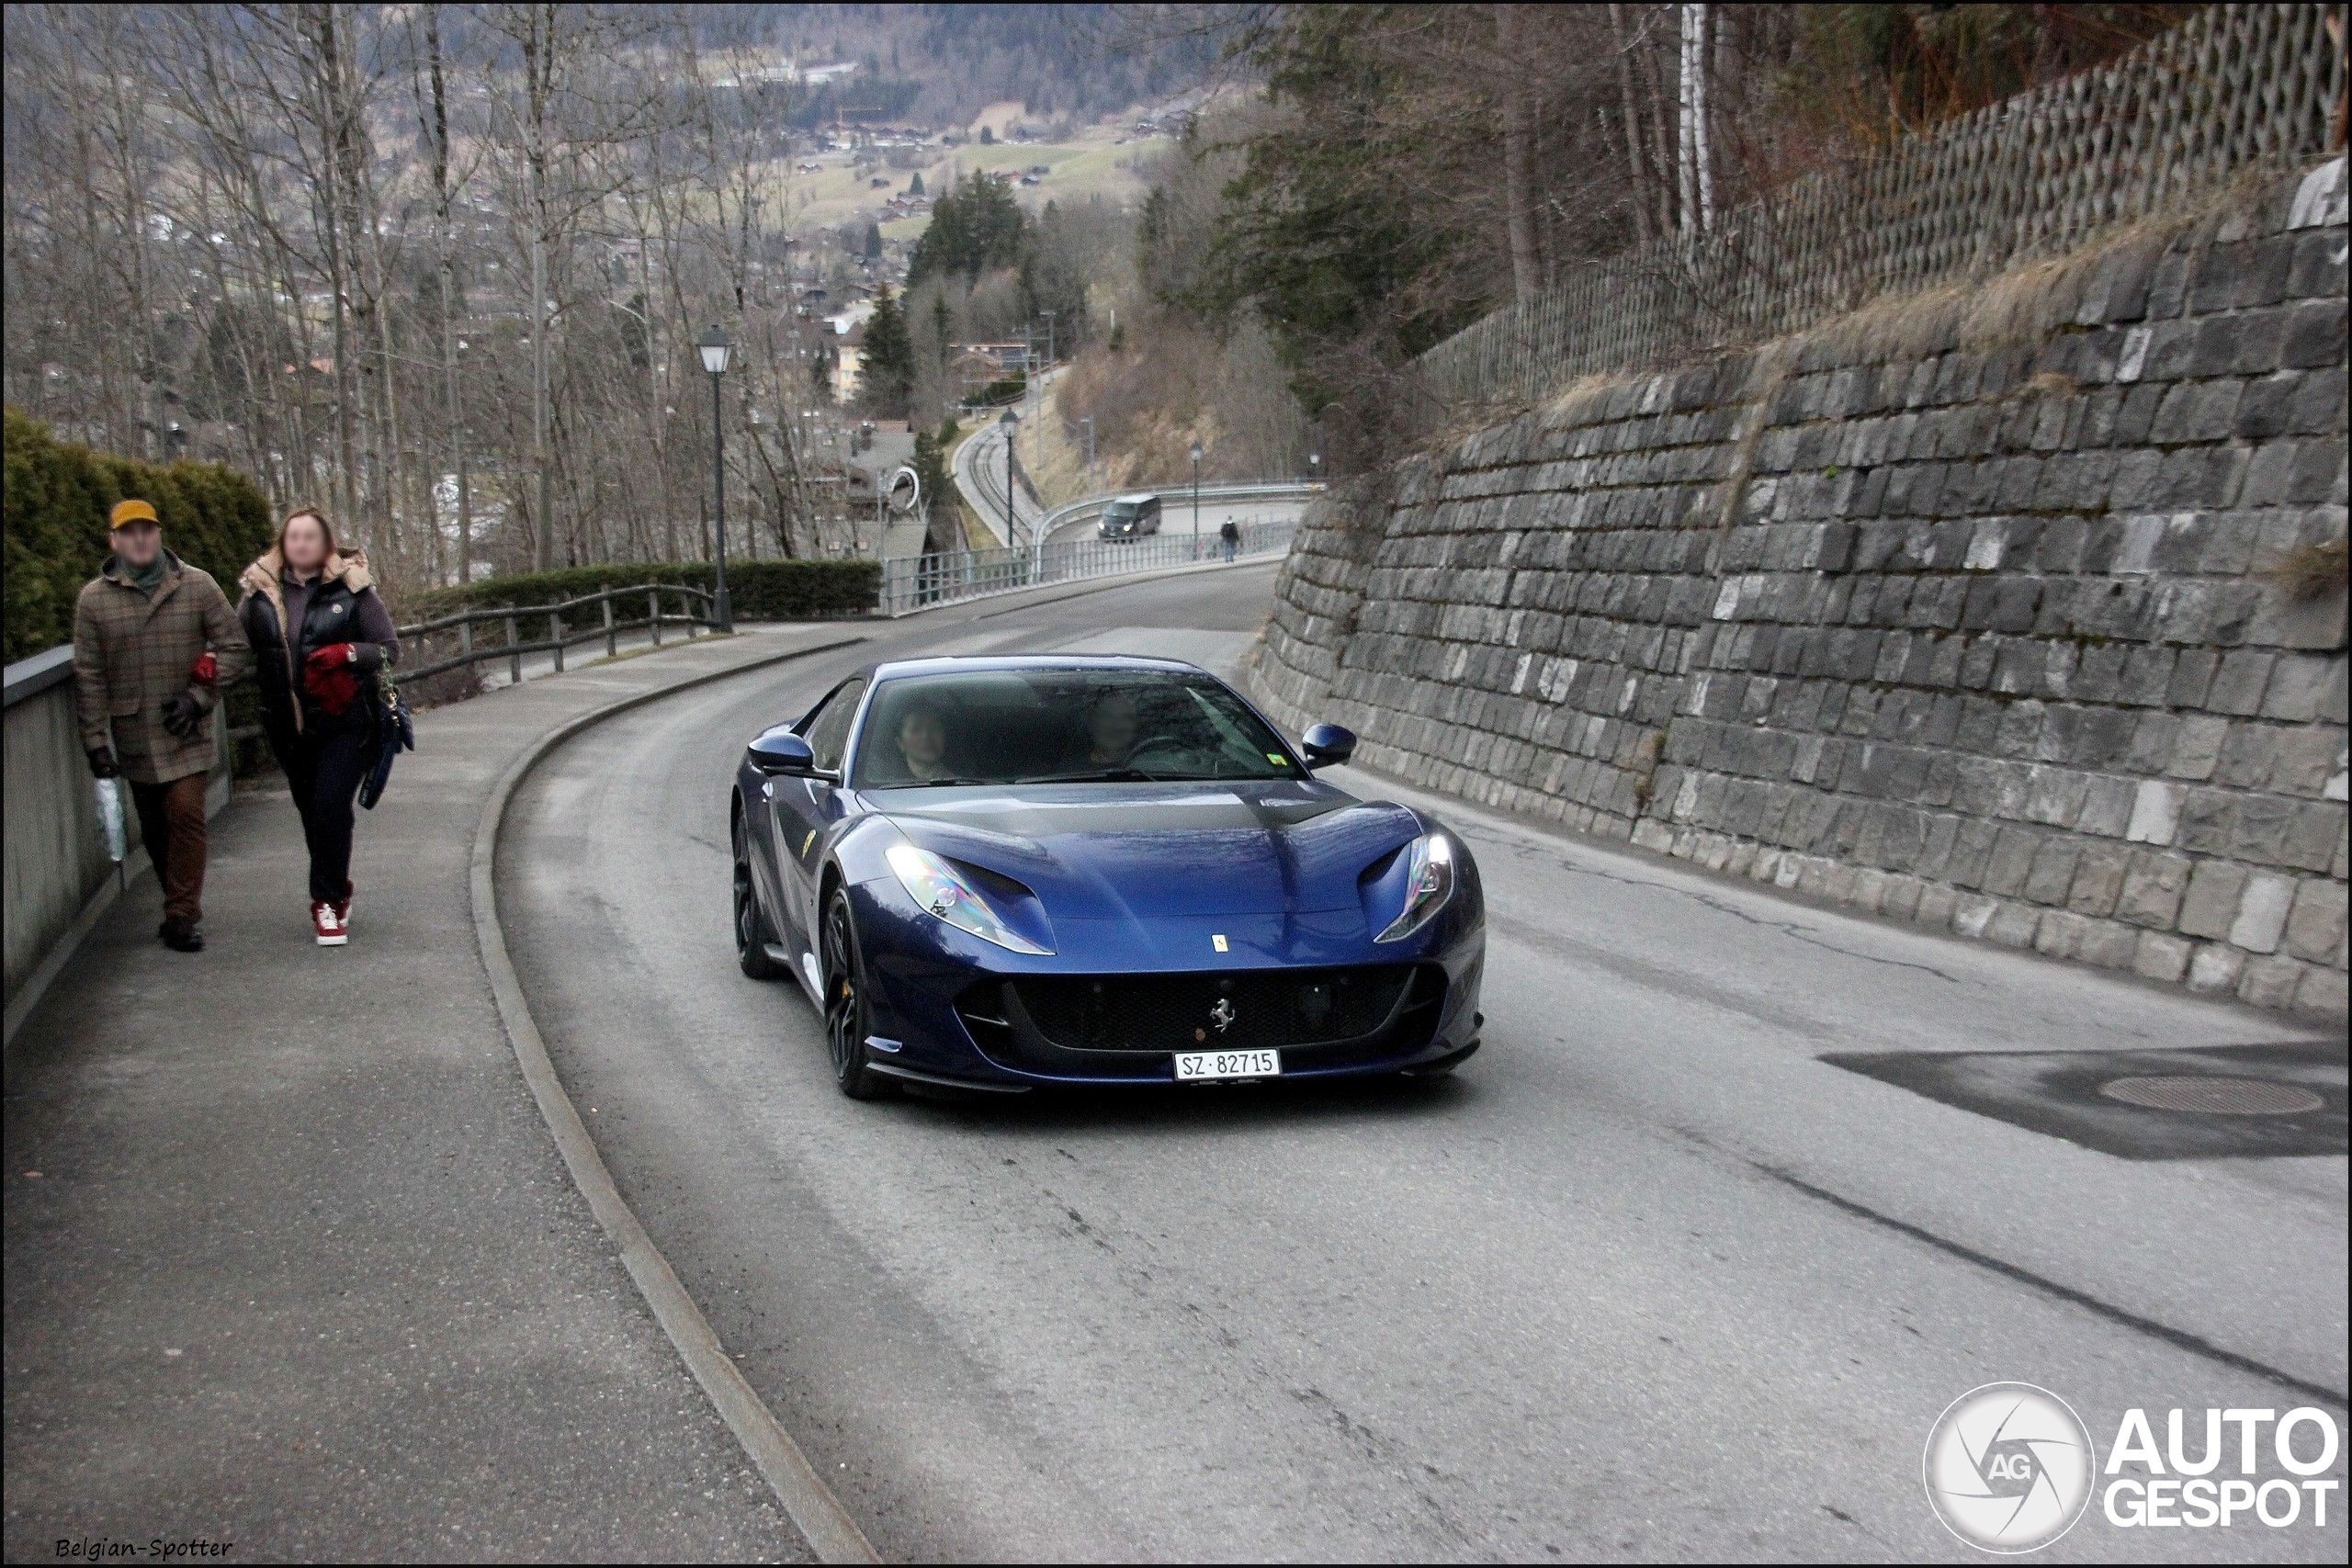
x,y
2008,1467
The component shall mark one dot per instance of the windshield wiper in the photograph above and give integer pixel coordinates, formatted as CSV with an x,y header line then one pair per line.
x,y
931,783
1092,775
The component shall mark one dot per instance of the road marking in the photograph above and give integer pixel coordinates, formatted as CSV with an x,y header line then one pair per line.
x,y
831,1534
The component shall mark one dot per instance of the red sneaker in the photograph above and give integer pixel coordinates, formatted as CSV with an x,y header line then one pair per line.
x,y
328,923
342,905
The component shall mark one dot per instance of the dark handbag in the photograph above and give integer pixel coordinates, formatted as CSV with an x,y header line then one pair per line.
x,y
395,733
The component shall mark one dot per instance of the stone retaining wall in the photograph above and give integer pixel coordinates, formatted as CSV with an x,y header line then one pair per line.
x,y
2016,611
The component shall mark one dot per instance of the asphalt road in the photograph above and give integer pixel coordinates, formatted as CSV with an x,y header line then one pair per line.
x,y
979,473
1647,1279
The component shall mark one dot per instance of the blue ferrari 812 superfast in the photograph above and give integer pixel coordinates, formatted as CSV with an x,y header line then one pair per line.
x,y
1001,872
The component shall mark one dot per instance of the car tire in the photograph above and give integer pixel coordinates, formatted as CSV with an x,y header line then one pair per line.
x,y
848,1013
751,936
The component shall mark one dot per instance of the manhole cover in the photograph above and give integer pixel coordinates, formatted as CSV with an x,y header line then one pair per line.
x,y
2216,1096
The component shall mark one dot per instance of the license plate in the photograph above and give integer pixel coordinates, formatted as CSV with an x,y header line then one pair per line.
x,y
1197,1065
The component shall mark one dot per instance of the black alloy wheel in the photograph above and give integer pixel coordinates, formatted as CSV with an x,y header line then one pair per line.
x,y
846,1011
750,924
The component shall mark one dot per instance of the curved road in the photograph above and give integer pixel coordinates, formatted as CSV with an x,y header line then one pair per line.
x,y
1647,1279
977,467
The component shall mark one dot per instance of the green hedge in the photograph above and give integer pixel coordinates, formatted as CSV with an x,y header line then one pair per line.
x,y
57,495
761,589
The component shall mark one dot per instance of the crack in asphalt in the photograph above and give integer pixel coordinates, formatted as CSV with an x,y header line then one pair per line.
x,y
1786,928
1658,977
1389,1455
2179,1338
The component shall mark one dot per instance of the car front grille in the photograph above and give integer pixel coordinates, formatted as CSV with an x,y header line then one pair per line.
x,y
1096,1023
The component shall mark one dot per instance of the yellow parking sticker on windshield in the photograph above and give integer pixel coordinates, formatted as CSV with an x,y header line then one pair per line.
x,y
1276,759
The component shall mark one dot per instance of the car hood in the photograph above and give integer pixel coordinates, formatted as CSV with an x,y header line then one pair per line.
x,y
1112,852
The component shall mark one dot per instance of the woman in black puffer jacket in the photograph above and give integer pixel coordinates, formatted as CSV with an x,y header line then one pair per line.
x,y
319,693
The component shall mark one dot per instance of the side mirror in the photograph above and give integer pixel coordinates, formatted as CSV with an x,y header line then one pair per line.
x,y
1326,744
781,751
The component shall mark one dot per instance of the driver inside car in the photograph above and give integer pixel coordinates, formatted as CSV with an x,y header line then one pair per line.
x,y
922,741
1110,729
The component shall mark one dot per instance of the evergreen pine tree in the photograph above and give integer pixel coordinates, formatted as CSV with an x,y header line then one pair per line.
x,y
886,378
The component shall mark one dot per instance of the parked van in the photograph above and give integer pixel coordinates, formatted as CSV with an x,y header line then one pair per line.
x,y
1131,517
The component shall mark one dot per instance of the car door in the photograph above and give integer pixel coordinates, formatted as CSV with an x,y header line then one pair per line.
x,y
802,809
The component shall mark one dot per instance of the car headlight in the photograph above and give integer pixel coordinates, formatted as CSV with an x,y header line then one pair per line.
x,y
1429,883
931,883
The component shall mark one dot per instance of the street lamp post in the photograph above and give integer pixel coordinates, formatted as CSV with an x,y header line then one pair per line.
x,y
1196,500
1011,425
1314,466
714,349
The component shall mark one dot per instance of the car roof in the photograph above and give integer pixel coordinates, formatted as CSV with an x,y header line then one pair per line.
x,y
981,663
1137,499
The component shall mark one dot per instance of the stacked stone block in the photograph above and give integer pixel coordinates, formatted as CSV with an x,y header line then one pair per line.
x,y
2011,632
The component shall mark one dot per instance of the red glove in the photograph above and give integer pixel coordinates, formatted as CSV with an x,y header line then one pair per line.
x,y
206,670
327,676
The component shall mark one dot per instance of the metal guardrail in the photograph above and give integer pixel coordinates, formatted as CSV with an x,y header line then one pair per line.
x,y
695,610
1176,499
917,583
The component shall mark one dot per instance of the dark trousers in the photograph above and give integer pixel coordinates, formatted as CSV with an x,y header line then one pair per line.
x,y
324,771
171,824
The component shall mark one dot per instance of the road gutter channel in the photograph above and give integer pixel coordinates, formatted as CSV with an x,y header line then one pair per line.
x,y
831,1534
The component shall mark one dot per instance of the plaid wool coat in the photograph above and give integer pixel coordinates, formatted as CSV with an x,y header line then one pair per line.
x,y
133,651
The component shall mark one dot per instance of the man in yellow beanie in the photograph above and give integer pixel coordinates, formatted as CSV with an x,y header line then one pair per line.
x,y
154,640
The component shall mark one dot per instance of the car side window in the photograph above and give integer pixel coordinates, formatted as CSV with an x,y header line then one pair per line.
x,y
829,735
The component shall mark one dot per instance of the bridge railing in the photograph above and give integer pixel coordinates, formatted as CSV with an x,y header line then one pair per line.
x,y
592,617
1176,502
921,581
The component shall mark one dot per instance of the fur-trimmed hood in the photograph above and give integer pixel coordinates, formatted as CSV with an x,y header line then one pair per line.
x,y
348,568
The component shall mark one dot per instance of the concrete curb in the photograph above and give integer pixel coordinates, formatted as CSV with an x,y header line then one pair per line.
x,y
831,1534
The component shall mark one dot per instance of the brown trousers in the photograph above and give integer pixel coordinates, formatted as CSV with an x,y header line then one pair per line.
x,y
171,821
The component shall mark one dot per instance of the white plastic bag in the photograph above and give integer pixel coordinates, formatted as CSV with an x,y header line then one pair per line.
x,y
110,819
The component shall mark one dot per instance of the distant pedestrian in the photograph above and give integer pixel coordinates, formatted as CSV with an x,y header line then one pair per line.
x,y
153,641
321,635
1230,537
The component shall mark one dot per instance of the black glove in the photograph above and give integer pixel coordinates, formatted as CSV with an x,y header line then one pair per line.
x,y
102,763
183,716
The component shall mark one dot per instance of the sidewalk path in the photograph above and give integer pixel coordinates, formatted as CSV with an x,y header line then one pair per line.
x,y
301,1271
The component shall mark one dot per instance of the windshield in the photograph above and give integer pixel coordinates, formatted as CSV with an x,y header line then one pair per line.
x,y
1120,512
1063,726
